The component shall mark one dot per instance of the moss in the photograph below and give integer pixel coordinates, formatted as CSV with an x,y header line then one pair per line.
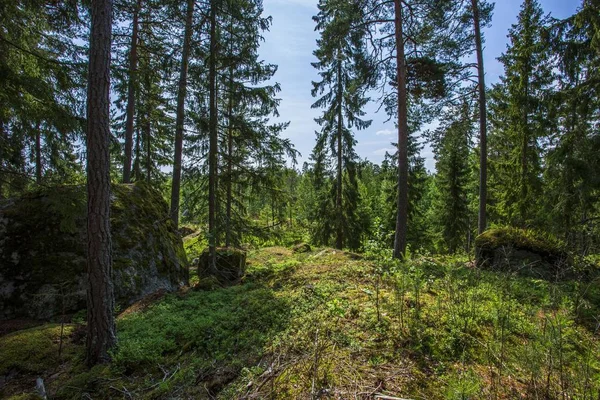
x,y
523,239
34,350
194,245
25,396
207,283
230,265
300,324
44,251
301,248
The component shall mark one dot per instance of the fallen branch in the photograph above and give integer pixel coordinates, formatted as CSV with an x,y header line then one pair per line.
x,y
125,392
40,388
386,397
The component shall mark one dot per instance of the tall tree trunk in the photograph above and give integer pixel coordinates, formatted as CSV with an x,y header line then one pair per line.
x,y
273,208
100,295
136,162
133,61
3,143
482,221
213,138
229,161
339,243
524,184
402,210
179,121
38,154
524,209
148,138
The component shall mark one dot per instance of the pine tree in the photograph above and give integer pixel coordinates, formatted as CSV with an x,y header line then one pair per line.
x,y
100,295
419,43
418,201
481,12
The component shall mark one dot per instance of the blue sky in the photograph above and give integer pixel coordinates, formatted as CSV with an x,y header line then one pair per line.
x,y
290,44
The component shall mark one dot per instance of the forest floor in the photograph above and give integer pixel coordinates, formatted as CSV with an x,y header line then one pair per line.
x,y
329,324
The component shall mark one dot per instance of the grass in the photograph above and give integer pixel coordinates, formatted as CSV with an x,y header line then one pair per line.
x,y
327,324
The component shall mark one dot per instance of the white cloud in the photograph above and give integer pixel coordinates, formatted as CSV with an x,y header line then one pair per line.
x,y
381,152
385,132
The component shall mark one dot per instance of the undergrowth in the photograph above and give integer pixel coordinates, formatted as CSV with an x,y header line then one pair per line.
x,y
329,324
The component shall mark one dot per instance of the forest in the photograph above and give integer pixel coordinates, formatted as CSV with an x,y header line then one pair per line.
x,y
159,238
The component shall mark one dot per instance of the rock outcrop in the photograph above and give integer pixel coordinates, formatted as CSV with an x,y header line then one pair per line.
x,y
301,248
230,265
525,252
43,250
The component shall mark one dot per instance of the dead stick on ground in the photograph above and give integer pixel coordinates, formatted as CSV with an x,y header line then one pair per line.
x,y
316,364
386,397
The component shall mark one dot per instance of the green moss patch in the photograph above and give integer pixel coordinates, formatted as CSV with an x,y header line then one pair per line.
x,y
530,240
35,350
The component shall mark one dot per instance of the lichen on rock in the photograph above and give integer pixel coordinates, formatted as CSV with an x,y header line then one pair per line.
x,y
43,249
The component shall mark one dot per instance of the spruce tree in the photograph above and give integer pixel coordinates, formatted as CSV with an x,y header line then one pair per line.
x,y
180,111
342,68
573,159
452,148
41,93
520,117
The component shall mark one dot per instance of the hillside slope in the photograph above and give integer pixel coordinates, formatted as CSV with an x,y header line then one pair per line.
x,y
329,324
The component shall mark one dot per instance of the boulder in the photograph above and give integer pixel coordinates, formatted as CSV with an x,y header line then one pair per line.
x,y
301,248
186,231
43,250
230,265
526,252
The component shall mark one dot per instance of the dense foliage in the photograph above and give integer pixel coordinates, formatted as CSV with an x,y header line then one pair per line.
x,y
232,164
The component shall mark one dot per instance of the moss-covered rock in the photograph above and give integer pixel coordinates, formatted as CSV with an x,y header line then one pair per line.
x,y
43,250
528,252
301,248
230,265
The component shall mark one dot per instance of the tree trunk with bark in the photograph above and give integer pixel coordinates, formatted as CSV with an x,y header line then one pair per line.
x,y
100,295
136,162
402,210
229,200
180,117
3,141
133,62
38,155
339,242
482,222
213,139
148,138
